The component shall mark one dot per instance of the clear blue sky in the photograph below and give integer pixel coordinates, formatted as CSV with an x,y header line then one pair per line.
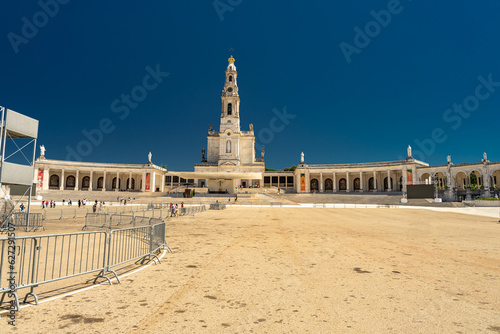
x,y
356,97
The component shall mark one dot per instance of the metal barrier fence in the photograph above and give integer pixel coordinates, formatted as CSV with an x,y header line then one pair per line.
x,y
109,221
62,212
119,219
191,210
217,206
99,220
20,220
157,206
49,258
43,259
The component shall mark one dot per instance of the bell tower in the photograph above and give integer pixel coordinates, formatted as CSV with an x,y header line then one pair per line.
x,y
230,114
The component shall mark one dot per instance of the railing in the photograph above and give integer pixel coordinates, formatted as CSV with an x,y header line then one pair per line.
x,y
20,220
99,220
217,206
62,212
109,221
43,259
49,258
191,210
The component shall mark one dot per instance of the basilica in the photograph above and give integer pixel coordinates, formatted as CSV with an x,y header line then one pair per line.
x,y
229,165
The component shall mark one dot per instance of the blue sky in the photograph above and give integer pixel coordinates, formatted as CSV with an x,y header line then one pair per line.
x,y
359,80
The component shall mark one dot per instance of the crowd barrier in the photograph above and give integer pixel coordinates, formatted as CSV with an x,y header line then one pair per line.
x,y
191,210
115,220
20,220
67,211
36,260
217,206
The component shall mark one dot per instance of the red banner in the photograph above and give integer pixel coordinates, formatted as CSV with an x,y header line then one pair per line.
x,y
409,177
148,181
39,182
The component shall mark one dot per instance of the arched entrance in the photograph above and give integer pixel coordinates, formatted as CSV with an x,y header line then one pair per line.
x,y
371,183
476,181
461,181
342,184
113,186
386,185
100,183
86,182
130,186
496,179
356,184
426,178
314,184
70,181
441,178
328,185
54,182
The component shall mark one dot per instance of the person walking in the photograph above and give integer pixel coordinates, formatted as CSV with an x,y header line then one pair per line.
x,y
94,207
79,204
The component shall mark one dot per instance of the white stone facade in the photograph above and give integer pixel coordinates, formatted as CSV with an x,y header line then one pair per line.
x,y
230,163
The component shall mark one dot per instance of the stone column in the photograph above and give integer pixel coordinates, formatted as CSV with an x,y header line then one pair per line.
x,y
297,182
405,179
104,181
334,182
348,182
362,188
143,183
129,186
375,181
486,182
77,180
389,183
117,181
162,189
153,182
46,179
321,182
62,181
308,182
91,180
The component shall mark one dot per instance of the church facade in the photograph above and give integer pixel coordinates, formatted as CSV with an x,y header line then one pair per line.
x,y
229,165
230,162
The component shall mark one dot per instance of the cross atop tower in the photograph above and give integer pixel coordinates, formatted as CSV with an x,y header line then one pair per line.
x,y
231,50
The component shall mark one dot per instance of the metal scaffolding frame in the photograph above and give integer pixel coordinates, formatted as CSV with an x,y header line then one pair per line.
x,y
13,126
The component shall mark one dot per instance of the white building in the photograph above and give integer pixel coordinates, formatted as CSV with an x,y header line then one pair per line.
x,y
230,164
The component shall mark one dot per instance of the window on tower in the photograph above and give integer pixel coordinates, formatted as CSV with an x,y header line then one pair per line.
x,y
230,78
230,109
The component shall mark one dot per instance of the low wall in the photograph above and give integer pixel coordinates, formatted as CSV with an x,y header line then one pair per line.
x,y
494,204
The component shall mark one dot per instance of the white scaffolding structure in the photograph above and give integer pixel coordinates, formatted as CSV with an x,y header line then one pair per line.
x,y
14,125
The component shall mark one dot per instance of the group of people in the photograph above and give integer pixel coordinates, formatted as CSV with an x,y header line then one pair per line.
x,y
97,205
123,200
81,203
174,209
51,204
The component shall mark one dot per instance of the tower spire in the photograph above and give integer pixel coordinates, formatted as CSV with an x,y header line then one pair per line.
x,y
230,113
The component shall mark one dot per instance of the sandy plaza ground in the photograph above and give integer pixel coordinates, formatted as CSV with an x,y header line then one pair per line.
x,y
297,270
